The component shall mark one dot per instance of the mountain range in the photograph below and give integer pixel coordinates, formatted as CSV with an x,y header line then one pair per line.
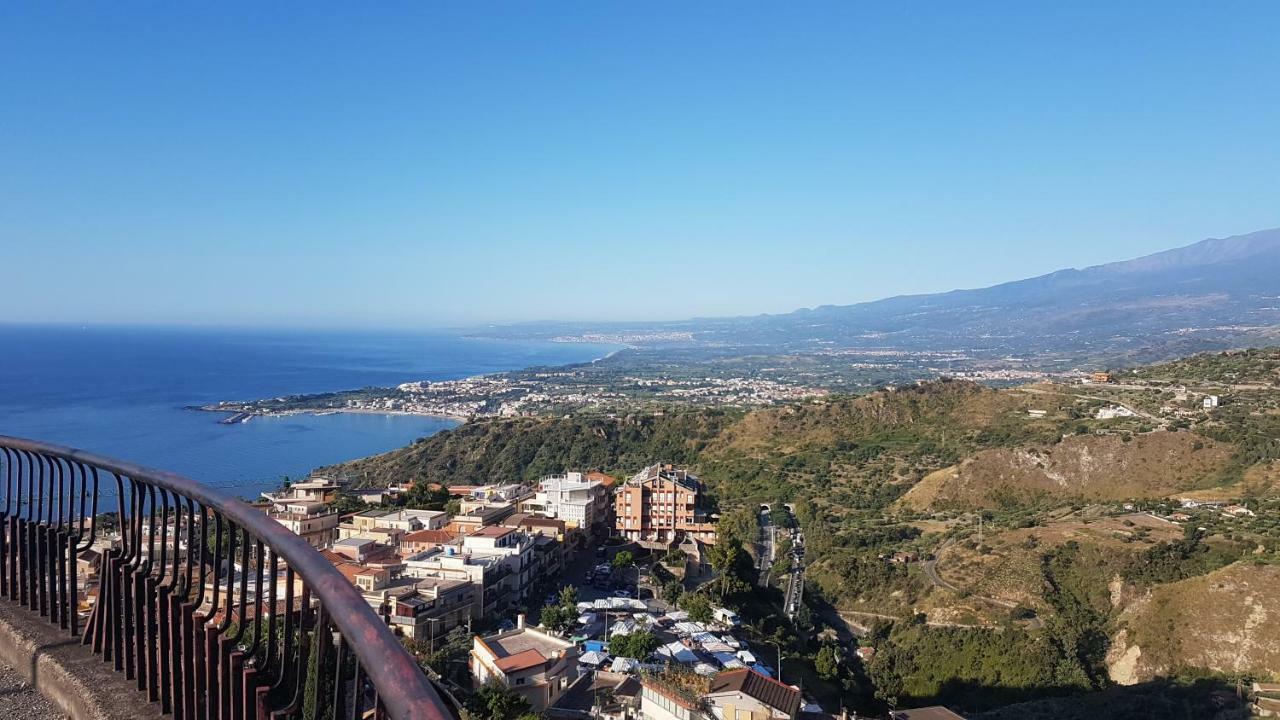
x,y
1216,293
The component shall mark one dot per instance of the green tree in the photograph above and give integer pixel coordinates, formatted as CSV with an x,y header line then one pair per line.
x,y
826,663
672,591
624,560
636,645
494,702
733,564
697,605
563,616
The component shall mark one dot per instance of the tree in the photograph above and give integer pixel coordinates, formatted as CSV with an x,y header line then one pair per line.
x,y
672,591
732,563
562,616
638,644
348,504
494,702
826,663
697,605
555,618
428,496
624,560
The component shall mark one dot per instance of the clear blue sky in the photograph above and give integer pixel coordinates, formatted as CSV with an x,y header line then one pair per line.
x,y
424,164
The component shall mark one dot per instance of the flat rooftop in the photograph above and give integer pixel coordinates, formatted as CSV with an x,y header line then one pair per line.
x,y
524,648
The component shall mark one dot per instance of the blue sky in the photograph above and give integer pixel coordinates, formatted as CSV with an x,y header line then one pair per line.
x,y
426,164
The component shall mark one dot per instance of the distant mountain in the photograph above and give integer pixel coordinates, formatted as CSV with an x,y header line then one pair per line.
x,y
1213,294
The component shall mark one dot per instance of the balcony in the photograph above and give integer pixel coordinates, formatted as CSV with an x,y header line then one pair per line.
x,y
278,638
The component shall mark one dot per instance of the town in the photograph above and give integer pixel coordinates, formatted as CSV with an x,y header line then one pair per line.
x,y
582,596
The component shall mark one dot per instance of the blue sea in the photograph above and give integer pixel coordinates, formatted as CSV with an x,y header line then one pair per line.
x,y
123,392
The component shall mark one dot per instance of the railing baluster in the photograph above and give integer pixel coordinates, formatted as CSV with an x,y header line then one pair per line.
x,y
160,617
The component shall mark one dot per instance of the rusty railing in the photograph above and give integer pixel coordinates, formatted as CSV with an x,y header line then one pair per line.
x,y
215,610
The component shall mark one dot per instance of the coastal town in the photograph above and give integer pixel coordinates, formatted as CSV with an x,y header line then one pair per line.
x,y
529,393
579,596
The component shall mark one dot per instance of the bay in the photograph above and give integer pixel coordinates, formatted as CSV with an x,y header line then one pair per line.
x,y
123,392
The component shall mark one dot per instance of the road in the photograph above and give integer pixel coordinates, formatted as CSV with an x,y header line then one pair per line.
x,y
930,568
767,546
1140,413
795,584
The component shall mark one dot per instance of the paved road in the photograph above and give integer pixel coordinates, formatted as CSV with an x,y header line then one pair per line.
x,y
766,551
795,585
20,701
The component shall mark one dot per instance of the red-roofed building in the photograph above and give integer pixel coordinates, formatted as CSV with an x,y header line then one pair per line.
x,y
424,540
746,693
538,665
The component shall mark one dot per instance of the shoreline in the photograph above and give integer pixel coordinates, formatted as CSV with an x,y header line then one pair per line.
x,y
249,413
460,419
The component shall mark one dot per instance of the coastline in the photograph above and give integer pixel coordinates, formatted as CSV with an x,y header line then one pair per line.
x,y
253,408
460,419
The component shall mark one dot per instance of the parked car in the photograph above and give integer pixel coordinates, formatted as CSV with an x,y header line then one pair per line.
x,y
622,593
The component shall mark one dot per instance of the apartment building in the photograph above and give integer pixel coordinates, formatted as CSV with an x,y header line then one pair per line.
x,y
419,608
424,540
426,609
499,562
303,508
537,665
578,500
660,506
745,694
550,540
391,526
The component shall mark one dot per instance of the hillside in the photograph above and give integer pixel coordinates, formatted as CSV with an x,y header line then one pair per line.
x,y
1227,621
1093,468
1040,542
525,449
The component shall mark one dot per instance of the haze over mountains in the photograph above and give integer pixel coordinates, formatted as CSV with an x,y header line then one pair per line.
x,y
1213,294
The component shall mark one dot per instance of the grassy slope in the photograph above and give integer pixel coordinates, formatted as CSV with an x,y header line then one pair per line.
x,y
1227,621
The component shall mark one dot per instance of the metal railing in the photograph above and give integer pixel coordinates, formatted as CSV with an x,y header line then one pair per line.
x,y
213,608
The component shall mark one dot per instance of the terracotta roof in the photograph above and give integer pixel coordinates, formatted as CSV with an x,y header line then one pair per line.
x,y
608,480
493,531
440,537
933,712
765,689
348,569
520,661
534,521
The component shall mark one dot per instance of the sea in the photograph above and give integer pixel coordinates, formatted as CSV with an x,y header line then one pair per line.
x,y
124,392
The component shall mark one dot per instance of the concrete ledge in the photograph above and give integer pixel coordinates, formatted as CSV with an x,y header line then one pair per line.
x,y
78,682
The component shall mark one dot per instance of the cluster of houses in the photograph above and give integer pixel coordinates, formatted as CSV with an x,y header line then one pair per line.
x,y
428,571
699,671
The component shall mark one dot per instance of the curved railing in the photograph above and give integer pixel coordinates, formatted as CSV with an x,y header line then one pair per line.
x,y
215,609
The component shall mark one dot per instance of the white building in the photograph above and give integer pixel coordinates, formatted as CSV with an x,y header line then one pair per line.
x,y
571,497
303,508
498,561
537,665
1114,411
